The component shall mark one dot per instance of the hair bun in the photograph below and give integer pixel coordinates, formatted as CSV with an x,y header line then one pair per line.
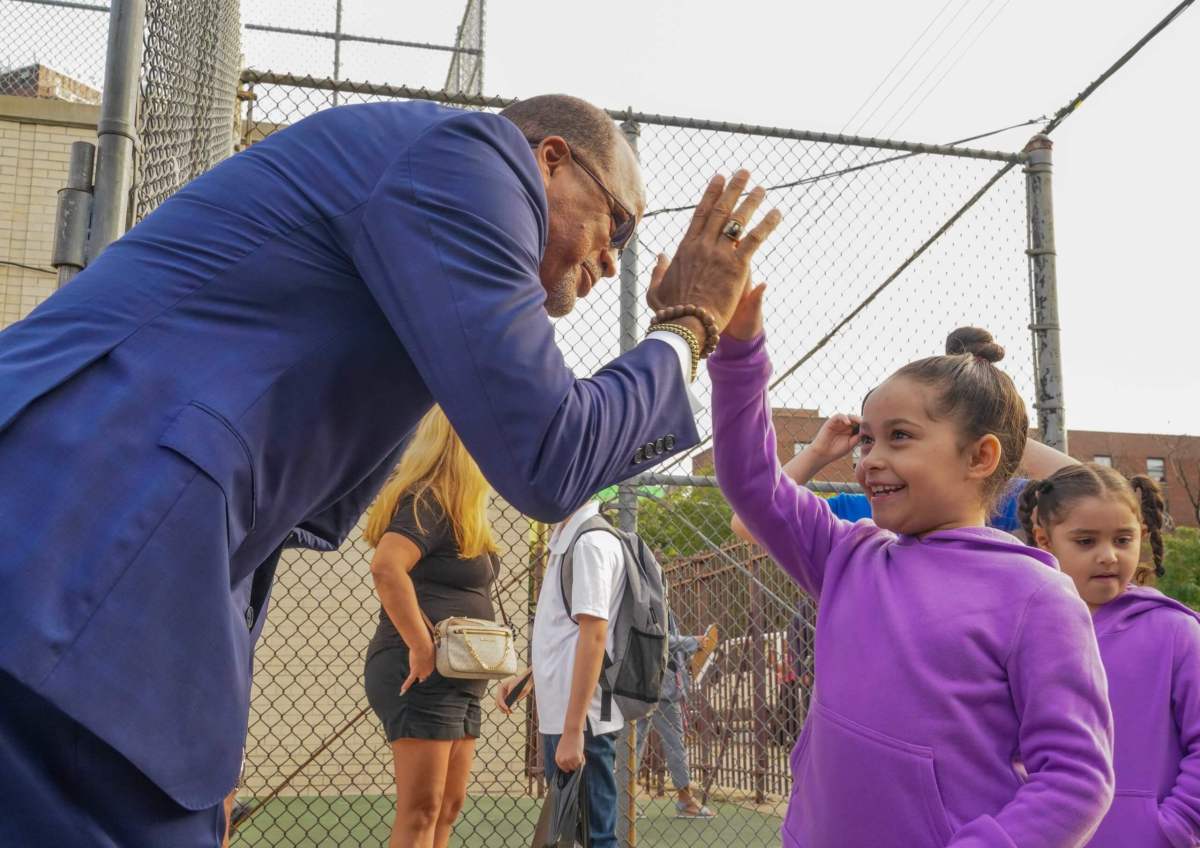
x,y
975,341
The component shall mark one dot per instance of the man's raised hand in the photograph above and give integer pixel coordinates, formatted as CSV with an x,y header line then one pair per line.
x,y
709,268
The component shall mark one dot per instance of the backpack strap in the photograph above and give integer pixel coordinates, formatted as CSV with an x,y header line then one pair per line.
x,y
606,695
566,571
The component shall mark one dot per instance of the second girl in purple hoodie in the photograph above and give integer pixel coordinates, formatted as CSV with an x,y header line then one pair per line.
x,y
1090,518
959,696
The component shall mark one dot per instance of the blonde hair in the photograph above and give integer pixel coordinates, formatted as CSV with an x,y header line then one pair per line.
x,y
436,464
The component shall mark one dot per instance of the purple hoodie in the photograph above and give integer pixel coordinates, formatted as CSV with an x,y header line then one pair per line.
x,y
1150,645
940,662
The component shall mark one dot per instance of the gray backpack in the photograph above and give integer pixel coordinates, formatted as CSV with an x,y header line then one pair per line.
x,y
633,674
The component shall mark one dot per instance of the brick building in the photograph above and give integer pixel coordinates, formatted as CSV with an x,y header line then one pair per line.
x,y
40,81
1174,461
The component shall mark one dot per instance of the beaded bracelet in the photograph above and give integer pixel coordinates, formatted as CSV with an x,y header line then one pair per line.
x,y
711,334
688,336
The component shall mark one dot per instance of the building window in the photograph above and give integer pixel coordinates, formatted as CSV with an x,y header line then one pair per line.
x,y
1156,469
799,446
1102,459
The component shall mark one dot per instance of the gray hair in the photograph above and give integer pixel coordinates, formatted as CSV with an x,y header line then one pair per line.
x,y
587,128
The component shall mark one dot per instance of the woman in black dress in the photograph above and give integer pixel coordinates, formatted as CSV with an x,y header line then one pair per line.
x,y
434,553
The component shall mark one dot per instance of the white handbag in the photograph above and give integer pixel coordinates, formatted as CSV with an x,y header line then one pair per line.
x,y
474,649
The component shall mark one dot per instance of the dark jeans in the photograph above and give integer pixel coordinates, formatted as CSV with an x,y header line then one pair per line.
x,y
599,755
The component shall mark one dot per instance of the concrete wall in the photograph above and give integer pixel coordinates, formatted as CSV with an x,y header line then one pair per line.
x,y
35,146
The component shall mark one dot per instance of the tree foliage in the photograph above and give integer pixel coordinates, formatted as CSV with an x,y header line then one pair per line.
x,y
684,521
1182,561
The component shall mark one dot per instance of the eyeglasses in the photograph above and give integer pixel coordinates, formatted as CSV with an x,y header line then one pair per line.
x,y
624,221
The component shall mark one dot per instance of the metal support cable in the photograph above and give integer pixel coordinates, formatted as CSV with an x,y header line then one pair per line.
x,y
891,278
1077,100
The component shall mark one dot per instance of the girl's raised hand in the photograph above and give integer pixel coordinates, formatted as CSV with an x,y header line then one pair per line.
x,y
837,436
747,320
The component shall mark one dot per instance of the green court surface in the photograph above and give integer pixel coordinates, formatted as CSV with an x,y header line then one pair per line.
x,y
491,821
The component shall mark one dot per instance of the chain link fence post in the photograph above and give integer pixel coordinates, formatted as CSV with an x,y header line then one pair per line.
x,y
627,507
337,47
116,131
1047,349
74,213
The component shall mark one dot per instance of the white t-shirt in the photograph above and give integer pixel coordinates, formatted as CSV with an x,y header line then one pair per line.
x,y
597,586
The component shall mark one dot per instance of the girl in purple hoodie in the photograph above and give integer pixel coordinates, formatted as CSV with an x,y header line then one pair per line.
x,y
959,699
1090,518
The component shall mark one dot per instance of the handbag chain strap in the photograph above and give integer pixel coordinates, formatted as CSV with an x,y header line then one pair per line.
x,y
479,660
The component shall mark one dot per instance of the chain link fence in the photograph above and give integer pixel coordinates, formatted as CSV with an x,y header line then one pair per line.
x,y
188,103
864,276
466,64
53,49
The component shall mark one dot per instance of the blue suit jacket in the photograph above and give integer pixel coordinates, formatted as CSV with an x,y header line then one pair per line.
x,y
247,362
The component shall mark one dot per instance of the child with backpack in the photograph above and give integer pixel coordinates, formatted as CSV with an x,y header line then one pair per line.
x,y
598,651
959,699
1094,520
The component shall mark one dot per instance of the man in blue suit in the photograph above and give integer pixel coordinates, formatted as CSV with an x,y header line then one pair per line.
x,y
242,368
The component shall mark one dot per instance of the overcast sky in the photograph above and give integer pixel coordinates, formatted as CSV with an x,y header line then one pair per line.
x,y
1126,182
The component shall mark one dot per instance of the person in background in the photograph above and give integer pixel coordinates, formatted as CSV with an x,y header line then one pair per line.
x,y
434,559
687,656
945,646
568,650
797,674
1095,522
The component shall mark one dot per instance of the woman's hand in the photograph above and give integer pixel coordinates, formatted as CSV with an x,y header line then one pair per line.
x,y
421,663
568,756
505,688
747,320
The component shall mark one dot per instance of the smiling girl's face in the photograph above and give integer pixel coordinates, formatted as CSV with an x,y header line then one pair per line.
x,y
919,476
1096,542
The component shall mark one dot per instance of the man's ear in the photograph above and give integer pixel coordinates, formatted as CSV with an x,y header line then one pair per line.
x,y
984,457
552,153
